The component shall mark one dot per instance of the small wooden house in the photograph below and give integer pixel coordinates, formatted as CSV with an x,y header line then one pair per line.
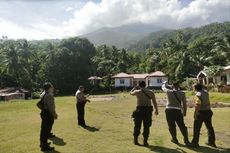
x,y
94,80
14,93
221,78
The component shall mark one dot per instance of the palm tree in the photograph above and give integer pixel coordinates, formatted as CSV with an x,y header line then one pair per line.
x,y
222,49
175,54
12,62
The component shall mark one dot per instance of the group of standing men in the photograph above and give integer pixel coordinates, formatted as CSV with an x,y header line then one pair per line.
x,y
175,111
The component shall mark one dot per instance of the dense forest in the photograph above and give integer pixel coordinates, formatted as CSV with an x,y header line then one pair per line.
x,y
68,63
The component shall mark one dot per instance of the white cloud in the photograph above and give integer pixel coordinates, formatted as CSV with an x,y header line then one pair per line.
x,y
112,13
13,30
68,9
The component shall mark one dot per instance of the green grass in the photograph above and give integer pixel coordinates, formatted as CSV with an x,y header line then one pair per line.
x,y
20,127
214,96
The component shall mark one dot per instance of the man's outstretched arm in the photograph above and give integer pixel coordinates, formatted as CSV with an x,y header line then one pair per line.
x,y
133,92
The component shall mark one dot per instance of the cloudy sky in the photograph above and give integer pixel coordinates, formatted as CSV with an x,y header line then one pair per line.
x,y
42,19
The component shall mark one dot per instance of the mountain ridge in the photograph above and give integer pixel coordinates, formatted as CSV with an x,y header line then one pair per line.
x,y
122,36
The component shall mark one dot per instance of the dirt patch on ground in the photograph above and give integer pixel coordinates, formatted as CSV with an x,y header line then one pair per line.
x,y
191,104
160,101
101,98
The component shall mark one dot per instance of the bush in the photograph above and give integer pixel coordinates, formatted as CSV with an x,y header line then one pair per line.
x,y
188,83
36,95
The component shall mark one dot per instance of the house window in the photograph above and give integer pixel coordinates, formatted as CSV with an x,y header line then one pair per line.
x,y
122,81
159,80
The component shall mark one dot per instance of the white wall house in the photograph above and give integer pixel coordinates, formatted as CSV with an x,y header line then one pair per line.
x,y
154,79
222,77
123,80
226,71
139,77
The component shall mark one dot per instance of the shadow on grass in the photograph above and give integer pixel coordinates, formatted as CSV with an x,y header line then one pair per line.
x,y
204,149
58,141
91,128
53,151
162,149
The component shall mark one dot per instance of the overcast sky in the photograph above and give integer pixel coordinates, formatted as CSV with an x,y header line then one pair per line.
x,y
41,19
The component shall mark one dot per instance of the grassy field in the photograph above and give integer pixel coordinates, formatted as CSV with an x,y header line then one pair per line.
x,y
110,132
214,96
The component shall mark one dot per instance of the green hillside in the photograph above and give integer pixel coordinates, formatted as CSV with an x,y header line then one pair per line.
x,y
156,39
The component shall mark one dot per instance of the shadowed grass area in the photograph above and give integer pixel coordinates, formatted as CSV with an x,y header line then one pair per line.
x,y
110,128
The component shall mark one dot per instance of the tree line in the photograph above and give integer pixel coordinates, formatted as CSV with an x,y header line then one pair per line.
x,y
68,63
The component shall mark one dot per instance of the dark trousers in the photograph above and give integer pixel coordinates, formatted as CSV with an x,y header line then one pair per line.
x,y
174,117
206,117
81,113
144,114
46,126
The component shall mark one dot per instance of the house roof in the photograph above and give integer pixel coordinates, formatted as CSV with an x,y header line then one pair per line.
x,y
139,76
94,78
206,74
201,73
122,75
156,74
12,90
227,68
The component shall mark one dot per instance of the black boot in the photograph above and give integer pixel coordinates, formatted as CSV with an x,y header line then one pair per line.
x,y
146,142
211,144
185,134
195,141
174,140
49,143
173,134
46,147
51,135
194,145
135,141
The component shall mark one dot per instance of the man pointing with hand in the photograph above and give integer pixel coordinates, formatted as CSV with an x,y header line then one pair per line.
x,y
175,112
81,101
143,112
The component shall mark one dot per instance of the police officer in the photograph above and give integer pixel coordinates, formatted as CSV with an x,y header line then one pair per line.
x,y
174,113
81,101
48,115
203,113
143,112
